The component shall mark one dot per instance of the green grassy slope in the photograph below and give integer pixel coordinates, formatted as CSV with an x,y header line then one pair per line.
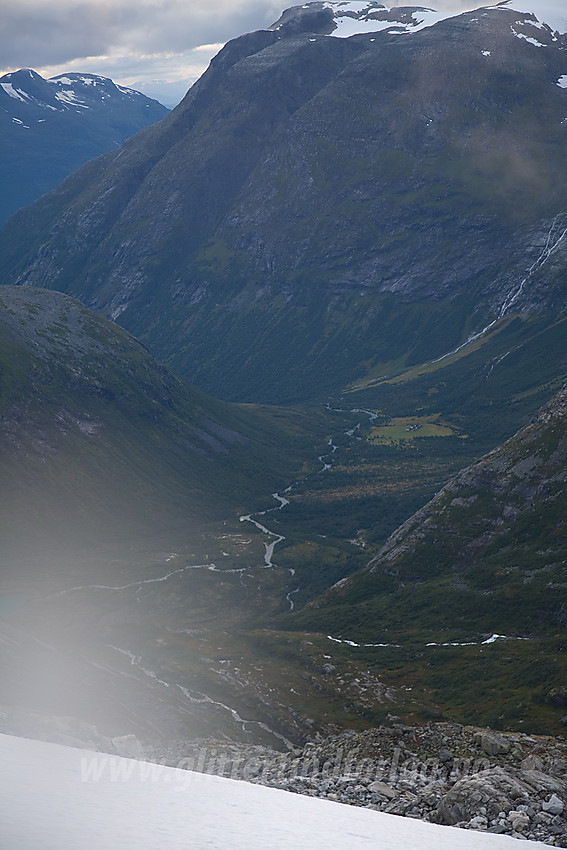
x,y
487,555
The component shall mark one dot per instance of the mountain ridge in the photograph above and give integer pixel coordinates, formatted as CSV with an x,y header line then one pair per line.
x,y
101,442
381,171
50,127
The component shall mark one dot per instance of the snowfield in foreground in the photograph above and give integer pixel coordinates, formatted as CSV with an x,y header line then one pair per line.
x,y
69,799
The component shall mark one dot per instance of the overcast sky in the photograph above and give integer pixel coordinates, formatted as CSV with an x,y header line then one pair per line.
x,y
159,47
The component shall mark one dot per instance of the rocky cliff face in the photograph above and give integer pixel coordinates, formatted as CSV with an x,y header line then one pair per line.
x,y
508,505
311,189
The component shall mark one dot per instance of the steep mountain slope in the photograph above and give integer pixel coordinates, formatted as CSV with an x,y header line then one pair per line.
x,y
487,555
319,208
48,128
101,444
132,595
121,489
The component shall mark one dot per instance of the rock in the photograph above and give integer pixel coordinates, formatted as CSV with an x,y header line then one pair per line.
x,y
557,697
532,762
491,744
554,806
498,789
445,756
128,746
478,822
382,789
519,821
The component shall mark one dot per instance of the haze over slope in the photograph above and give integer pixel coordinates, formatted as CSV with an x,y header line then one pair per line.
x,y
101,443
375,224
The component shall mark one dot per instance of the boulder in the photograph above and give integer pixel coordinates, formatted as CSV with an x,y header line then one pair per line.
x,y
491,744
128,746
519,821
382,790
554,806
497,790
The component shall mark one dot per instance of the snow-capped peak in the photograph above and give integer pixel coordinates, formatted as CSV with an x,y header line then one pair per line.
x,y
359,16
550,12
67,92
354,17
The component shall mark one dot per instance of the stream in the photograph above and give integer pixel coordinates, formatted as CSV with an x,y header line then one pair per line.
x,y
553,240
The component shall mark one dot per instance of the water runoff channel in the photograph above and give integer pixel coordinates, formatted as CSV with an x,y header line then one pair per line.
x,y
258,520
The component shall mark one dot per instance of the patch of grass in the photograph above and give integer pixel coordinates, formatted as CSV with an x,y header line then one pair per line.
x,y
404,429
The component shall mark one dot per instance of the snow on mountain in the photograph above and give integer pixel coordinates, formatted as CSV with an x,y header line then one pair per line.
x,y
358,16
53,796
353,17
68,91
550,12
48,128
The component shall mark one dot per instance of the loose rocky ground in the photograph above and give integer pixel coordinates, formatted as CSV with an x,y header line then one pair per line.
x,y
465,776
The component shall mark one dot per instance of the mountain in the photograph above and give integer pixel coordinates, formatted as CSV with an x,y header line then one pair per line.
x,y
152,585
372,225
48,128
121,492
323,210
102,445
485,557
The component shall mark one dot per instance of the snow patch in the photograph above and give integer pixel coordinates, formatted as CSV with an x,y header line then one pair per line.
x,y
15,93
68,96
56,796
527,38
118,311
364,645
562,81
550,12
354,17
125,90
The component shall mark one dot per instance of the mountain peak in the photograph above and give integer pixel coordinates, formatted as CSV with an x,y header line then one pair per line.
x,y
345,18
50,127
552,13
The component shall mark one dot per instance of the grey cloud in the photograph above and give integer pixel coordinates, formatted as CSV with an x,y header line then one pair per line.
x,y
149,43
35,33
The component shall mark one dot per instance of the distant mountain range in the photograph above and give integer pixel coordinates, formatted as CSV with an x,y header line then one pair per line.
x,y
48,128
